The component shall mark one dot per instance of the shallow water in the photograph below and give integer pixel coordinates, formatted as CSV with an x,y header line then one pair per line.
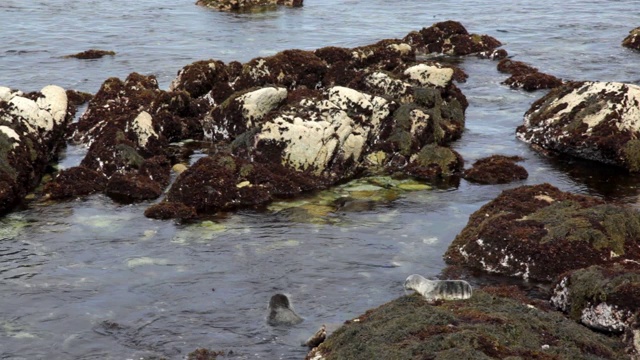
x,y
89,279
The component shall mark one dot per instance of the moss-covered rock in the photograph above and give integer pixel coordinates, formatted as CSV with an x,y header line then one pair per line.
x,y
527,77
632,41
539,232
92,54
496,169
591,120
433,161
487,326
75,181
451,38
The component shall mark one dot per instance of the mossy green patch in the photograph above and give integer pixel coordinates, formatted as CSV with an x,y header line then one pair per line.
x,y
631,152
484,327
444,157
603,226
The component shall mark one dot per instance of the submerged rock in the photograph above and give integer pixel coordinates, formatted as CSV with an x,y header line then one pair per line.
x,y
496,169
633,40
92,54
539,232
592,120
245,5
486,326
32,128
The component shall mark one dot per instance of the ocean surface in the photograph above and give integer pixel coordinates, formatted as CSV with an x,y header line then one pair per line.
x,y
91,279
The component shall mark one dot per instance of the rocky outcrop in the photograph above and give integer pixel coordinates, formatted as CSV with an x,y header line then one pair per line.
x,y
539,232
487,326
246,5
496,169
524,76
128,126
633,40
603,298
592,120
32,128
74,182
450,38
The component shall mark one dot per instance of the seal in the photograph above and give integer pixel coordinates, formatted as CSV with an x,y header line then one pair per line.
x,y
280,311
439,289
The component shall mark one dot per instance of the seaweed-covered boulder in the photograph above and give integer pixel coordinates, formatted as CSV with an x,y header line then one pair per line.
x,y
539,232
226,182
434,161
525,76
245,5
633,40
592,120
75,181
91,54
603,298
165,210
32,128
496,169
450,38
487,326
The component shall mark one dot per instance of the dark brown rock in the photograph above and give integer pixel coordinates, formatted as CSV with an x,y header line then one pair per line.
x,y
75,181
77,98
170,210
247,5
131,188
451,38
539,232
496,169
92,54
512,67
533,81
633,40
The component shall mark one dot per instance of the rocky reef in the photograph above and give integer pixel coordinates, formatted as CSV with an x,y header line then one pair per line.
x,y
32,129
633,40
535,232
597,121
246,5
493,324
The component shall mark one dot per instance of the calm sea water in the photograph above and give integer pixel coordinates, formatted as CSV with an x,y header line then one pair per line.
x,y
90,279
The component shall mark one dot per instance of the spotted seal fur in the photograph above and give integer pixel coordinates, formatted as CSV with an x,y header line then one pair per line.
x,y
439,289
280,311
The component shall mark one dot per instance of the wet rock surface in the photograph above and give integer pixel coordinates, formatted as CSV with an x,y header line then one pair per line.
x,y
496,169
490,325
633,40
74,182
246,5
591,120
539,232
32,128
527,77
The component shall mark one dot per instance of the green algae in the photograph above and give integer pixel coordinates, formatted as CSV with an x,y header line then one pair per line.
x,y
484,327
444,157
603,226
631,153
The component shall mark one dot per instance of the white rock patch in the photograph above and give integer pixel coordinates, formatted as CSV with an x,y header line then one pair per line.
x,y
258,103
11,134
142,125
427,75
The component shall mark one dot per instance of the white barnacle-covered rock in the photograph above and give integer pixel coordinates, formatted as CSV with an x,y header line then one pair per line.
x,y
385,84
317,133
258,103
10,133
43,114
605,317
402,48
593,120
142,125
428,75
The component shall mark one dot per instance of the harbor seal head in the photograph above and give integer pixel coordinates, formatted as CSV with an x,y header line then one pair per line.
x,y
280,311
439,289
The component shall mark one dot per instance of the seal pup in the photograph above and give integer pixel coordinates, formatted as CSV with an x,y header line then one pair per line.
x,y
439,289
280,311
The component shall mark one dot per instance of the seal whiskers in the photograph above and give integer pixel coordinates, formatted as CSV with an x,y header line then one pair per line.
x,y
439,289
